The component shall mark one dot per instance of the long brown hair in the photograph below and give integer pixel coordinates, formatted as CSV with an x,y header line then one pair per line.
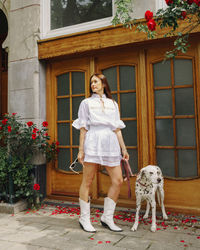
x,y
104,81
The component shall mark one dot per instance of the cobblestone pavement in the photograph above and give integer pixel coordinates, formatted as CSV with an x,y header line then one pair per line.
x,y
56,227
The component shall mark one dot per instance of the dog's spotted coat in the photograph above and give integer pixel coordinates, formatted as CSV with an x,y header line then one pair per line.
x,y
149,181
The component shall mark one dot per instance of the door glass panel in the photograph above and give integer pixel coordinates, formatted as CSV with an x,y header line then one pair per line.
x,y
63,109
128,105
114,96
187,165
78,82
162,74
178,102
127,77
63,84
184,100
75,136
71,12
163,102
164,132
67,109
63,133
186,132
111,75
130,133
133,160
183,72
75,105
64,159
165,160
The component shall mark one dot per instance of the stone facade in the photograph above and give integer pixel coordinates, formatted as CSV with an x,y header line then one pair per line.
x,y
24,82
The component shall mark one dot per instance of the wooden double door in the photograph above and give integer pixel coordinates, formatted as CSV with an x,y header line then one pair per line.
x,y
158,102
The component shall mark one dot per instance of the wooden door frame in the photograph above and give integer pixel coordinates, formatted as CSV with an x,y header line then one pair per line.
x,y
147,154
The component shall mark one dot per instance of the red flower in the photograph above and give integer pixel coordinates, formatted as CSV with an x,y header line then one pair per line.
x,y
46,134
168,2
151,25
45,124
57,143
190,2
4,121
9,129
14,113
30,124
183,14
34,136
1,128
197,2
35,130
148,15
36,187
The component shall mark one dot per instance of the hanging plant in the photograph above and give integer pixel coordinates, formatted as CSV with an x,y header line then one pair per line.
x,y
169,18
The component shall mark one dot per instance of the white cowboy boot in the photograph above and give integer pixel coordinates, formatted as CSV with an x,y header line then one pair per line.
x,y
107,216
84,220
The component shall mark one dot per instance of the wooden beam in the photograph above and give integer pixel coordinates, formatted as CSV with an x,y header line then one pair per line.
x,y
97,39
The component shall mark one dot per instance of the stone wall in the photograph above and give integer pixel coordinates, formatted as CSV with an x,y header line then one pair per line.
x,y
24,96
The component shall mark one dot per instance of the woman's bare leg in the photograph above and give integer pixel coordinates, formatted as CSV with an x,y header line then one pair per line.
x,y
115,174
89,171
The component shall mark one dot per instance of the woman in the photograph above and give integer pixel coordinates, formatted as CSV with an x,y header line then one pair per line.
x,y
100,141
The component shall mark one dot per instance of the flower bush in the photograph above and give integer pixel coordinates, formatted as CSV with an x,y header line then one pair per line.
x,y
170,18
20,142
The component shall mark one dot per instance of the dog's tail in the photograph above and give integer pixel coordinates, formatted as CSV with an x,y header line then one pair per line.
x,y
158,196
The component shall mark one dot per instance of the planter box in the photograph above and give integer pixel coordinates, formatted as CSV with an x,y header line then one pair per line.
x,y
7,208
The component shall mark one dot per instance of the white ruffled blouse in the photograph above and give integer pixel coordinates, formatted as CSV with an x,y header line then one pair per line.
x,y
100,116
93,111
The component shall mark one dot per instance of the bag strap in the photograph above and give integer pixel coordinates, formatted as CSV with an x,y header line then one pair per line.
x,y
128,172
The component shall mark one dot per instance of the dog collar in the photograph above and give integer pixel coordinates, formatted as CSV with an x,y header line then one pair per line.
x,y
141,183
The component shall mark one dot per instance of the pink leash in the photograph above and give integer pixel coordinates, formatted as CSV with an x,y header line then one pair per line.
x,y
128,172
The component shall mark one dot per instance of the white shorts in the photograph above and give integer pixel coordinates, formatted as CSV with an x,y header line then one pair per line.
x,y
110,161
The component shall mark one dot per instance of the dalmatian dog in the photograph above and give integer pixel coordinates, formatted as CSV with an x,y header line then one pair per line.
x,y
149,181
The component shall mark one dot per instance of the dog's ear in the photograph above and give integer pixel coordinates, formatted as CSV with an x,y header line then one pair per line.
x,y
142,174
159,170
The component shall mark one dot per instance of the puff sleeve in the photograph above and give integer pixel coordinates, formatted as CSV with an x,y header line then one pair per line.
x,y
83,116
118,123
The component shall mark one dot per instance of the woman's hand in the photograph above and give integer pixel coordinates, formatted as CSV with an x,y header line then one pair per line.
x,y
125,155
81,157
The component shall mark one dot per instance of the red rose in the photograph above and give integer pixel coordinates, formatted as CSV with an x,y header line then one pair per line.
x,y
57,143
4,121
46,134
45,124
34,136
197,2
168,2
9,129
1,128
35,130
151,25
30,124
36,187
14,113
148,15
190,2
183,14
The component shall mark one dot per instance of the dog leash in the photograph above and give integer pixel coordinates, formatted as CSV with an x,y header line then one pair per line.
x,y
128,172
